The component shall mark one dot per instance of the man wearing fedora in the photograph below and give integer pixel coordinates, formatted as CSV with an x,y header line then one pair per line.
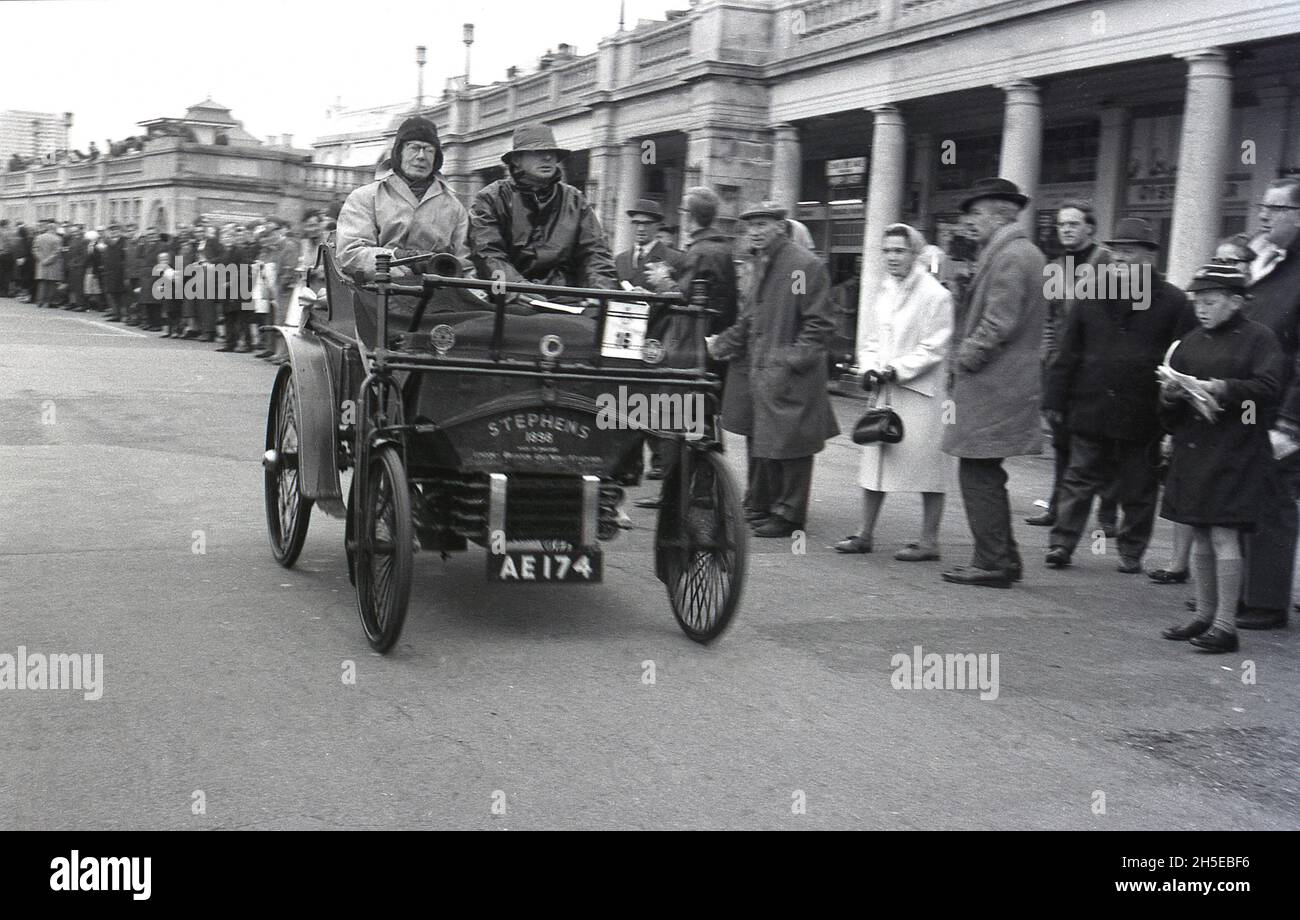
x,y
533,226
1103,386
781,336
647,249
995,377
405,211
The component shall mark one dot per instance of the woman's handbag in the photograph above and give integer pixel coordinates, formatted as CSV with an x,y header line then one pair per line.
x,y
878,425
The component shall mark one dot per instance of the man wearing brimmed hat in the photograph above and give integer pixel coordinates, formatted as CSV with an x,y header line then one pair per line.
x,y
781,336
995,377
1218,403
533,226
1102,385
631,265
406,211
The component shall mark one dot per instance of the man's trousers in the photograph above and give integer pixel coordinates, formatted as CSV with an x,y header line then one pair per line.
x,y
1130,469
988,512
782,487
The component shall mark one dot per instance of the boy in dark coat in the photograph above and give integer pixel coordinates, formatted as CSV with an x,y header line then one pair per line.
x,y
1221,449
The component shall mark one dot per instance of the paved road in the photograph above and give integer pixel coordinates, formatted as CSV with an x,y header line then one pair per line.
x,y
222,673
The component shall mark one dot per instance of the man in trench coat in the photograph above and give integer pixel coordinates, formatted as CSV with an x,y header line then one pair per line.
x,y
782,336
994,377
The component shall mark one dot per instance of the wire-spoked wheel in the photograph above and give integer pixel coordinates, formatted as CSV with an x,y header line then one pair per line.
x,y
287,512
384,548
701,559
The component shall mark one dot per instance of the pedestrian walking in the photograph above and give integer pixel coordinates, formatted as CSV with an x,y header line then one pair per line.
x,y
782,336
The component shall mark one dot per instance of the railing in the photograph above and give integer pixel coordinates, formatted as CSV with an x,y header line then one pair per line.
x,y
578,77
533,92
664,46
822,15
342,178
129,167
913,11
493,104
82,174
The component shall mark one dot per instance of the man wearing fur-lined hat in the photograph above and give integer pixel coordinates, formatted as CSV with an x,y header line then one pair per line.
x,y
405,211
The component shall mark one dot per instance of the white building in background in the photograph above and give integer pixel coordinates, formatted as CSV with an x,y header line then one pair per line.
x,y
32,133
858,113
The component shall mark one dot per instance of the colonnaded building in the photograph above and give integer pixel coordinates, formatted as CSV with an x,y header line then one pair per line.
x,y
856,113
203,164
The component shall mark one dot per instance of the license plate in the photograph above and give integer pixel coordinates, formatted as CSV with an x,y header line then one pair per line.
x,y
525,566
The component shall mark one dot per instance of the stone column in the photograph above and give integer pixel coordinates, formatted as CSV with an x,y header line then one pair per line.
x,y
1022,142
884,197
787,167
629,190
1112,169
1198,195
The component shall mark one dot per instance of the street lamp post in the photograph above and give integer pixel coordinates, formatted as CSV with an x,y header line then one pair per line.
x,y
467,36
419,89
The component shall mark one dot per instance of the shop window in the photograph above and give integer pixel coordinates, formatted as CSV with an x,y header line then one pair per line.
x,y
1070,153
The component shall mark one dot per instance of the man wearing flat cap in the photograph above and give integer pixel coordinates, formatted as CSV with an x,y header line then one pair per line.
x,y
994,377
1102,385
407,210
533,226
781,335
635,266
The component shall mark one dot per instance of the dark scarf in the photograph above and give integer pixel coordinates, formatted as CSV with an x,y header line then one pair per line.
x,y
538,194
417,186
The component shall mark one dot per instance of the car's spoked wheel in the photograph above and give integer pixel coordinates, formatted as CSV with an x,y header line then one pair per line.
x,y
702,558
287,512
384,549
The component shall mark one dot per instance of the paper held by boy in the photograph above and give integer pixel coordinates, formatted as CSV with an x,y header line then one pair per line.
x,y
1282,443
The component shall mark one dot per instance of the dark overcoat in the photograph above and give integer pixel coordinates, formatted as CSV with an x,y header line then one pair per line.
x,y
1218,471
994,362
782,337
112,266
1104,374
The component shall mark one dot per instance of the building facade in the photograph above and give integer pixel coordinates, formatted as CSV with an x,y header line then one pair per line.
x,y
202,165
857,113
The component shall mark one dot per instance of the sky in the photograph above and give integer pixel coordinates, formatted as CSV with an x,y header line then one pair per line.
x,y
277,64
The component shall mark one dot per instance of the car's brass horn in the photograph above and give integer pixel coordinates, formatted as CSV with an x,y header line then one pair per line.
x,y
444,264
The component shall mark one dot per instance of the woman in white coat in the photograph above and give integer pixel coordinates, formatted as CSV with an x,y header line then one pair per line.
x,y
907,328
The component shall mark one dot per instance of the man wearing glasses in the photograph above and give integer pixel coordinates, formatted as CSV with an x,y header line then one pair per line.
x,y
407,211
1275,301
